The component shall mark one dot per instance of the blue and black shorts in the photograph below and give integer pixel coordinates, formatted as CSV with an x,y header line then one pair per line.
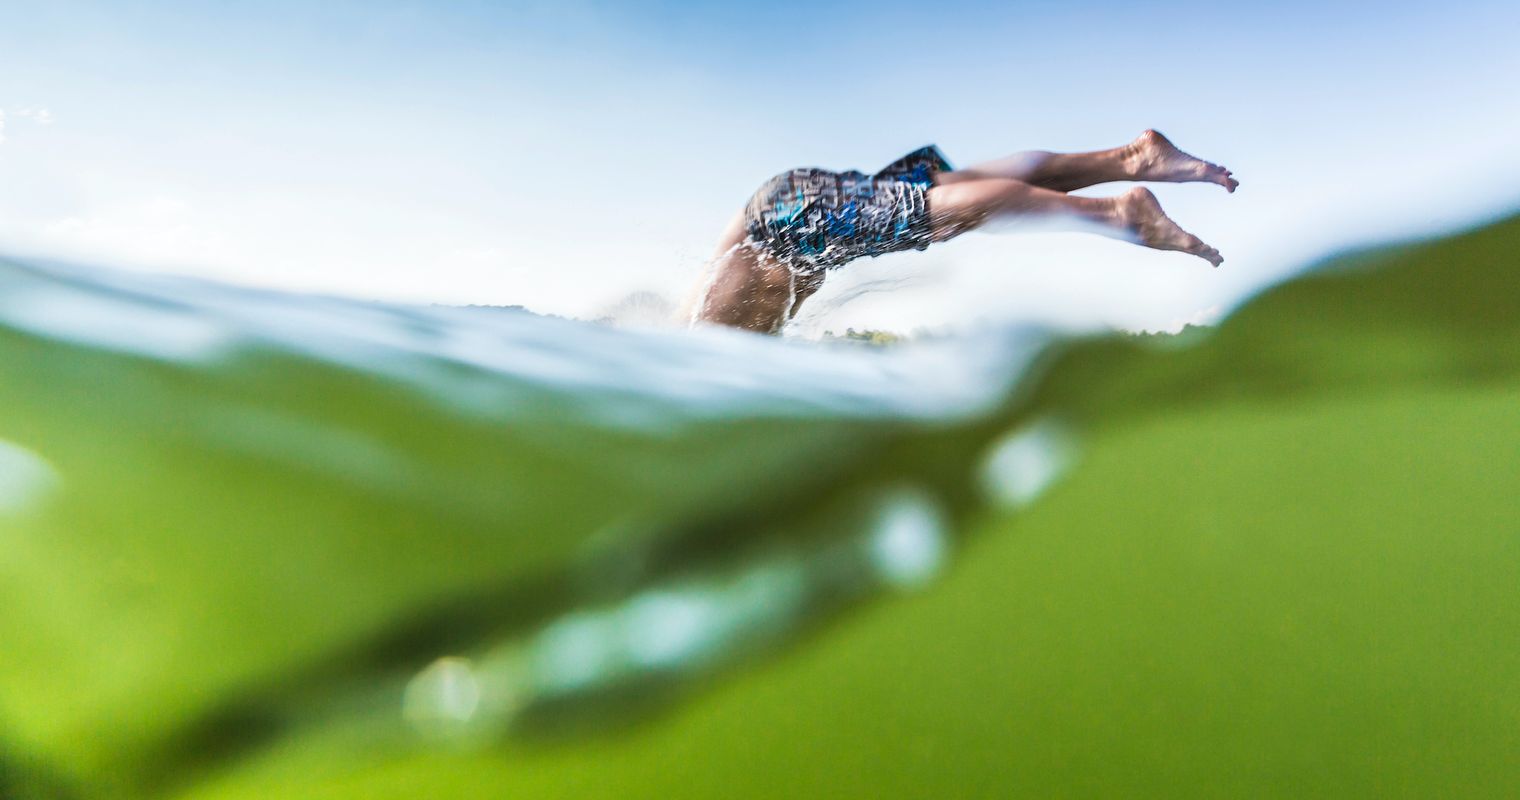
x,y
814,219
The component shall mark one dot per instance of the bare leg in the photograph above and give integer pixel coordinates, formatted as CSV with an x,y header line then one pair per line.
x,y
749,289
961,206
1150,157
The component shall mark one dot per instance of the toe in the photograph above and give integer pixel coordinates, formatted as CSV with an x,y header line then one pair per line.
x,y
1198,248
1221,176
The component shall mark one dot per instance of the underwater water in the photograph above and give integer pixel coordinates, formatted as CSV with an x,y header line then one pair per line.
x,y
254,544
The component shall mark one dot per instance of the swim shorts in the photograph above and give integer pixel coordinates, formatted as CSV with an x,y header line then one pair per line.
x,y
813,219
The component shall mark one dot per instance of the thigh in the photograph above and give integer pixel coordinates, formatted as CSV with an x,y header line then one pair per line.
x,y
955,207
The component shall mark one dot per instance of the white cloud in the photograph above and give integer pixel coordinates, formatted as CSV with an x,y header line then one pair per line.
x,y
158,229
41,116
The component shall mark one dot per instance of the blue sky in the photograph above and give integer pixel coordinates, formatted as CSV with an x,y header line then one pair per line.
x,y
563,154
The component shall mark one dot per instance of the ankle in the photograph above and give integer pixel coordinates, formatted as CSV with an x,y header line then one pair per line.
x,y
1136,159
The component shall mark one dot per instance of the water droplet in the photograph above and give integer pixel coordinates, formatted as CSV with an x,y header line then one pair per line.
x,y
907,546
1022,465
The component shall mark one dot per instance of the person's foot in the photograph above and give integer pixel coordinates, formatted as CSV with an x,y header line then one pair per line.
x,y
1153,157
1141,214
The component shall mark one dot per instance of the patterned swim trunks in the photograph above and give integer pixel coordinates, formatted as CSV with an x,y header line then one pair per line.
x,y
813,219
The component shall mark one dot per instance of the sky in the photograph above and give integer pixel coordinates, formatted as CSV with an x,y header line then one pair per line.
x,y
562,154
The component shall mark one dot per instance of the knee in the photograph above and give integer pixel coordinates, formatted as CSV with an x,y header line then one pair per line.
x,y
957,208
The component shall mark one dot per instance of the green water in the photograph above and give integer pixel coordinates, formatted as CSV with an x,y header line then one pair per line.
x,y
259,546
